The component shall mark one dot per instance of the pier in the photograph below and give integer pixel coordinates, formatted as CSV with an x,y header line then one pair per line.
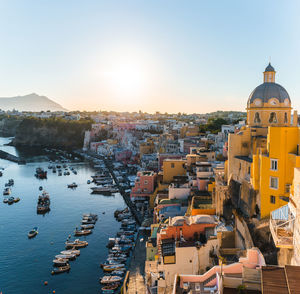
x,y
138,217
10,157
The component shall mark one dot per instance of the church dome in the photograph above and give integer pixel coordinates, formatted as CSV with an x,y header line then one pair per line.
x,y
267,91
262,94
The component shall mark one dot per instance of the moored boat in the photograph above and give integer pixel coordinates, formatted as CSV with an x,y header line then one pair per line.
x,y
11,200
76,244
110,288
110,279
87,227
6,191
61,269
71,251
43,203
33,233
113,267
66,256
82,232
73,185
60,261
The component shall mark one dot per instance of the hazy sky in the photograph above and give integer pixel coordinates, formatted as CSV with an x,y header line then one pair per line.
x,y
189,56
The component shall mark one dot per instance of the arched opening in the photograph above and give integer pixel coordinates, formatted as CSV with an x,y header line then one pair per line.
x,y
273,118
257,118
285,118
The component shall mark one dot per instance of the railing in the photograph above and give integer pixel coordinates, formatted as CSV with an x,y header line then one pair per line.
x,y
281,233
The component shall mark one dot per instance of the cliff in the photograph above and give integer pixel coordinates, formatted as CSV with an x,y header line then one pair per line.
x,y
54,133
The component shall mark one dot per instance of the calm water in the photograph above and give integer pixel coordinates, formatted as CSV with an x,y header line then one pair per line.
x,y
25,264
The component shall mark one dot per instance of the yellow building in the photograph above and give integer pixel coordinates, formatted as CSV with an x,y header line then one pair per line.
x,y
173,167
262,156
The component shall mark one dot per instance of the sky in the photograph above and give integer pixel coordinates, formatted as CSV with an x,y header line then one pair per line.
x,y
168,55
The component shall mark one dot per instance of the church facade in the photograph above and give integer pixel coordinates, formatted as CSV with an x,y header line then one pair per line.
x,y
263,154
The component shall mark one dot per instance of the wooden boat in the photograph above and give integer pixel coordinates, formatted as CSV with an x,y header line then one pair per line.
x,y
5,200
118,273
11,200
71,251
88,222
33,233
73,185
61,269
17,199
76,244
113,267
90,215
66,256
43,204
110,288
40,173
110,279
82,232
87,227
60,261
6,191
40,188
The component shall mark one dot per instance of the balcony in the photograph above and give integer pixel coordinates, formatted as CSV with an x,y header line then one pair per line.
x,y
282,226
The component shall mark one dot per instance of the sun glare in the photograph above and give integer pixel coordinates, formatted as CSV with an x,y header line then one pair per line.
x,y
127,79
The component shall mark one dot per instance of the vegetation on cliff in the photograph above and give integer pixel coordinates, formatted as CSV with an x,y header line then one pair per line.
x,y
9,125
52,132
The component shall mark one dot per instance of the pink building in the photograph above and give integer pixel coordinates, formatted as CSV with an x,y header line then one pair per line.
x,y
123,155
144,185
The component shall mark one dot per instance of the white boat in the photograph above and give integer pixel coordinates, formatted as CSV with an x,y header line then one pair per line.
x,y
85,227
71,251
110,279
66,256
60,261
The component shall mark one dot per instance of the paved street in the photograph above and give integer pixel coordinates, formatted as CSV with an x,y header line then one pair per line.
x,y
137,268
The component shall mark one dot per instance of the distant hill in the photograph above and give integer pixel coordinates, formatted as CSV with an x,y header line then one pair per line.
x,y
31,102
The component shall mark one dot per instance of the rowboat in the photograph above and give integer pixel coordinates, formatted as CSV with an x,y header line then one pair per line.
x,y
33,233
76,244
61,269
110,279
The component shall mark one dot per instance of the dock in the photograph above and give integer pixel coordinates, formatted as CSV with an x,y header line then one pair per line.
x,y
138,217
10,157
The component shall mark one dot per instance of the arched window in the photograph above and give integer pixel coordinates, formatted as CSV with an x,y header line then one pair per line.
x,y
273,118
285,118
256,118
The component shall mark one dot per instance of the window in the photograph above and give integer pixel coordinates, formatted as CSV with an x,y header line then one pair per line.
x,y
145,190
146,182
285,118
274,182
172,165
287,188
273,118
256,118
274,164
272,199
249,170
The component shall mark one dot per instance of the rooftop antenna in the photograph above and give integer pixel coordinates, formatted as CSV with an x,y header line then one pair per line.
x,y
270,59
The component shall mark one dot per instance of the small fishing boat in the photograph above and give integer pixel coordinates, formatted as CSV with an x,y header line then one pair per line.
x,y
73,185
118,273
66,256
88,182
82,232
5,200
40,188
40,173
88,222
60,261
90,215
87,227
110,288
76,244
11,200
17,199
113,267
61,269
71,251
6,191
110,279
33,233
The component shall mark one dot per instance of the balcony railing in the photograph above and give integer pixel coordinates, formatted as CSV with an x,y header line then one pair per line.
x,y
281,227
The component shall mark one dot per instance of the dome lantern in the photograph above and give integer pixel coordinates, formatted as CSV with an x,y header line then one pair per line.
x,y
269,74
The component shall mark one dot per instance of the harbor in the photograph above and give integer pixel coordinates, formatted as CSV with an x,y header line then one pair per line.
x,y
31,259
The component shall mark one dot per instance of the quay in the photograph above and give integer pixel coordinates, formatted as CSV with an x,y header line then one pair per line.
x,y
126,196
10,157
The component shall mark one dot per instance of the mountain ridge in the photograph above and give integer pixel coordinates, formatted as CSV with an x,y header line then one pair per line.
x,y
31,102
